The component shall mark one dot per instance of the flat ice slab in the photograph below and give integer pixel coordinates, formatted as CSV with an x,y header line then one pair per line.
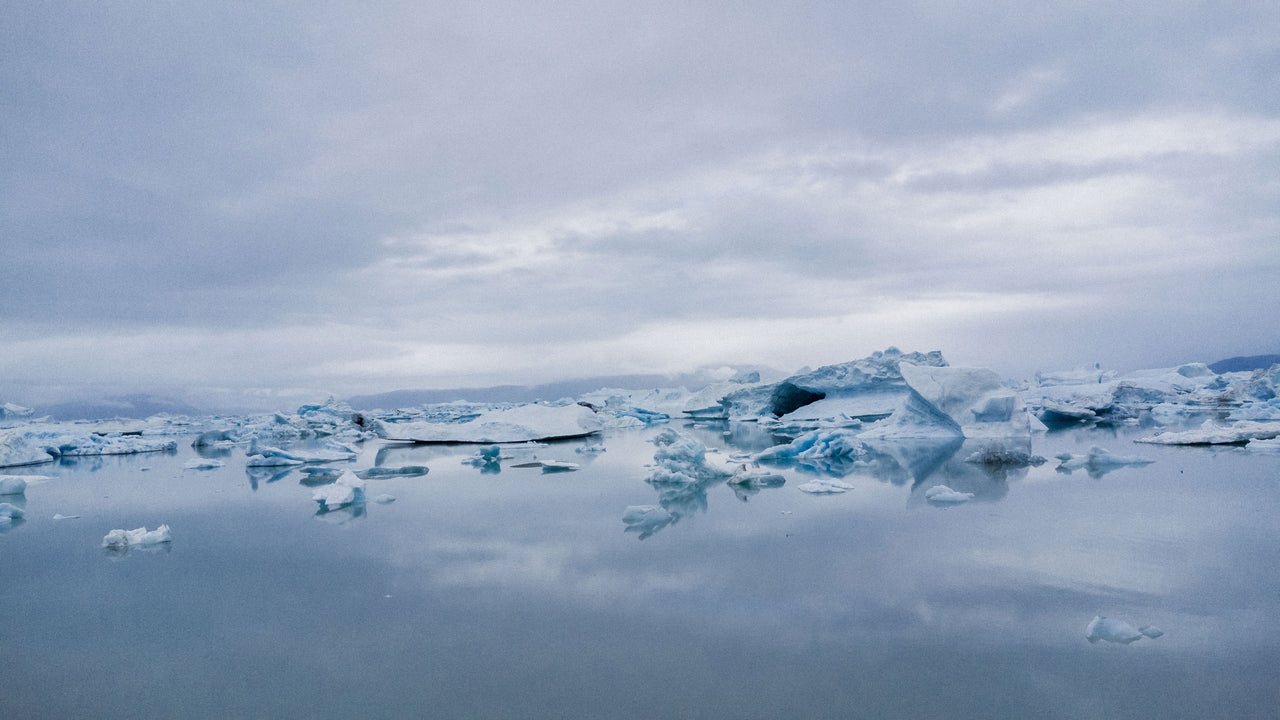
x,y
943,495
1211,433
518,424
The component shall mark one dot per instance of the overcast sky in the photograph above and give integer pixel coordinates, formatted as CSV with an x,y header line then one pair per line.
x,y
344,198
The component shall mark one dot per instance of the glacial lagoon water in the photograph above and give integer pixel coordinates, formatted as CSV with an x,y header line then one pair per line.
x,y
521,594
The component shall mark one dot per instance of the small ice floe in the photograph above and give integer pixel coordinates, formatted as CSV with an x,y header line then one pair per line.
x,y
553,466
486,458
10,512
825,487
589,449
1268,446
943,495
646,519
1213,433
125,539
203,464
347,490
60,516
384,499
1097,461
756,479
12,485
1118,631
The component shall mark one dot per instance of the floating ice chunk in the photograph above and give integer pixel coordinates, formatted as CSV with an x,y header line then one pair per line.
x,y
347,490
203,464
943,495
60,516
1211,433
551,466
589,449
83,445
646,519
1097,461
17,449
915,418
12,485
125,539
272,461
998,454
825,487
1114,631
10,512
1151,631
975,399
825,443
384,499
1270,446
518,424
756,479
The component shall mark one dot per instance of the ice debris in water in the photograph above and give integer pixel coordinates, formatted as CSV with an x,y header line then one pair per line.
x,y
203,464
125,539
384,498
10,512
1212,433
12,485
60,516
943,495
347,490
1118,631
825,487
552,466
1097,461
646,519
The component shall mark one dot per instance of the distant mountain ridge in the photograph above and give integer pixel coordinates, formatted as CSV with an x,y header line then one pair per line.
x,y
1245,363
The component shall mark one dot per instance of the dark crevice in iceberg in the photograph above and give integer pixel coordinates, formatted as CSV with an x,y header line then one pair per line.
x,y
788,398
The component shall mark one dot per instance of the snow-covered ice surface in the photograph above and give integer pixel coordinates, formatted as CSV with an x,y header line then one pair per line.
x,y
485,588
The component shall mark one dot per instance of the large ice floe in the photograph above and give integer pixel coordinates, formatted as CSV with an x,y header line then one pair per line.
x,y
522,423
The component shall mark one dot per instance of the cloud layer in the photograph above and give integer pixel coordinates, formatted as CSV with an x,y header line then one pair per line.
x,y
359,199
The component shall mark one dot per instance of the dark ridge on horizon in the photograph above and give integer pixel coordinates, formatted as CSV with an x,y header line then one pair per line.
x,y
135,406
1245,363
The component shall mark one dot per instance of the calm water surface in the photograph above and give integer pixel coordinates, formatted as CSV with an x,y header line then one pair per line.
x,y
521,594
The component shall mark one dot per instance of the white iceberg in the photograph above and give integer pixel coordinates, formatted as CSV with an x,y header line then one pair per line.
x,y
12,484
91,444
1213,433
1097,461
348,489
646,519
826,486
125,539
522,423
1269,446
203,464
943,495
17,449
1117,631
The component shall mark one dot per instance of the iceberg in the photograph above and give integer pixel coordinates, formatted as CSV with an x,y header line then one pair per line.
x,y
12,484
83,445
1117,631
16,449
826,486
646,519
1212,433
522,423
974,399
817,444
1097,461
203,464
348,489
943,495
125,539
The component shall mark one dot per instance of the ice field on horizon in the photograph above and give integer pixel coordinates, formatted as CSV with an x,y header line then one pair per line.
x,y
891,536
